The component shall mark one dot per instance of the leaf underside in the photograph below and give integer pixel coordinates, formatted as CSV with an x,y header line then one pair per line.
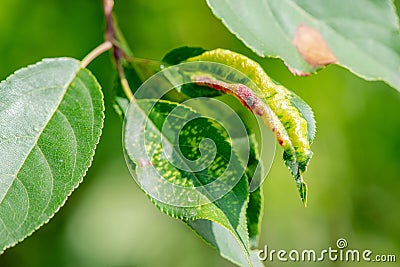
x,y
309,34
51,116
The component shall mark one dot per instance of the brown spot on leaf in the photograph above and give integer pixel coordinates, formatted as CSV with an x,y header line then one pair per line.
x,y
312,46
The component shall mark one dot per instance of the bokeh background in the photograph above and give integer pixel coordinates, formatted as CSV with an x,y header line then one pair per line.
x,y
354,177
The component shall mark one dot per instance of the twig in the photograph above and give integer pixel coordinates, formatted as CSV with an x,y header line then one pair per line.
x,y
118,53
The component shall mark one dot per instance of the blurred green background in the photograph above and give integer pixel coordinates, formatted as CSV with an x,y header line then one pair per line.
x,y
353,178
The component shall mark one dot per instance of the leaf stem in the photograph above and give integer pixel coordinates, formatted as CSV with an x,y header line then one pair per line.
x,y
107,45
124,82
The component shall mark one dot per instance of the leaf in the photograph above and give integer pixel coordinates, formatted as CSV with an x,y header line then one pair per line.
x,y
289,117
311,34
255,173
255,208
138,70
180,54
194,90
219,238
51,116
151,134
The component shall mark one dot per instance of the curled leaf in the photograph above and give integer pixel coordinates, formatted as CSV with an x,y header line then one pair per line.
x,y
289,117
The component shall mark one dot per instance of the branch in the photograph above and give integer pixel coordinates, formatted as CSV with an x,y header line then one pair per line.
x,y
112,38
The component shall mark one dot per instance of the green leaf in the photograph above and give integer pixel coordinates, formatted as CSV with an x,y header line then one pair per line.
x,y
289,117
364,37
254,215
255,208
221,220
191,90
51,116
138,70
194,90
219,238
180,54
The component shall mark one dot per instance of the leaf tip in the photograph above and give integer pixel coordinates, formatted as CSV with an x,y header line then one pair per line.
x,y
302,187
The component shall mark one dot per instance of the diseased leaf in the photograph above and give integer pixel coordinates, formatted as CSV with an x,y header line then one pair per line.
x,y
151,135
289,117
51,116
255,207
364,37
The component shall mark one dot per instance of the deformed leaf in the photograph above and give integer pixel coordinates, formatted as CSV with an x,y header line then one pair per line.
x,y
51,116
289,117
364,37
222,221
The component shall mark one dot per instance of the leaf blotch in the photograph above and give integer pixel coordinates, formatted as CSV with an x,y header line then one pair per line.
x,y
312,46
